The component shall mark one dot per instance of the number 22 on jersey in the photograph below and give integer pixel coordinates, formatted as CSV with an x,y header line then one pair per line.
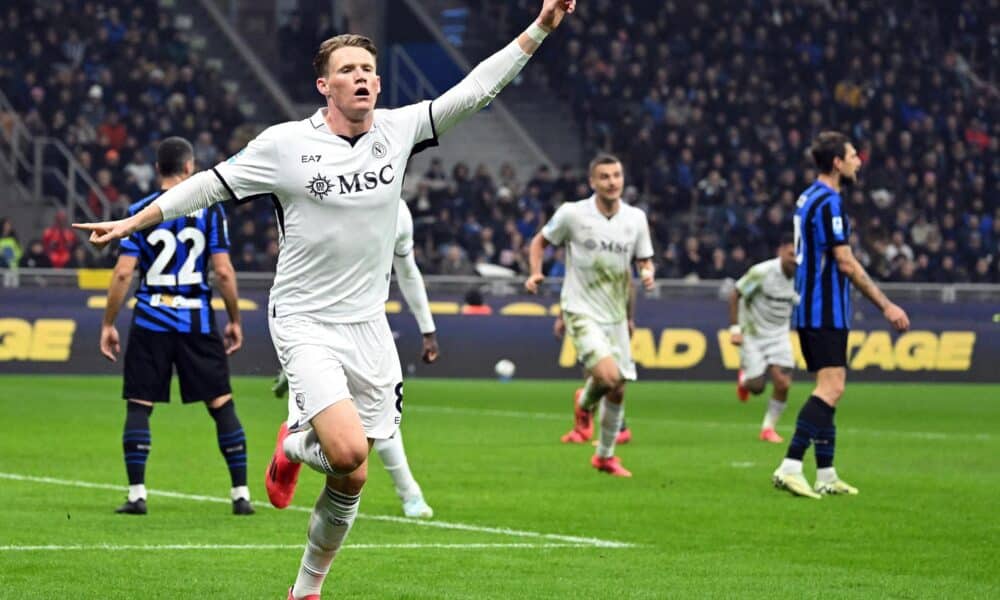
x,y
186,275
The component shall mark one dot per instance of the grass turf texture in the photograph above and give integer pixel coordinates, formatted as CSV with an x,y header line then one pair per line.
x,y
700,509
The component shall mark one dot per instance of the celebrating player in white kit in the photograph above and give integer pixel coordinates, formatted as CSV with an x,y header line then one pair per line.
x,y
411,284
760,309
603,236
335,180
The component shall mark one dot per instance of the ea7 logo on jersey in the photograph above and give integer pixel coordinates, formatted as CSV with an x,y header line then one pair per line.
x,y
319,186
308,158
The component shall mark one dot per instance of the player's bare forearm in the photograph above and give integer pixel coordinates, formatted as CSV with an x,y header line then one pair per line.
x,y
225,280
734,307
121,279
856,273
646,272
630,308
536,253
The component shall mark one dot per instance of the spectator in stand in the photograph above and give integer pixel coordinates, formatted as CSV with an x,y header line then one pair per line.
x,y
58,241
35,257
10,248
456,262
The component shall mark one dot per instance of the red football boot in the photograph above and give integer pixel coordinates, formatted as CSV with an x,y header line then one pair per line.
x,y
282,474
583,423
611,466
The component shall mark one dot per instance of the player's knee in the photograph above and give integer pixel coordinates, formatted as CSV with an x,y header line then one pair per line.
x,y
782,383
755,386
617,393
217,403
832,390
607,379
345,457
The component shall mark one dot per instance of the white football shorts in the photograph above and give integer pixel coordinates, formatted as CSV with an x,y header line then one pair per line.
x,y
757,353
329,362
594,341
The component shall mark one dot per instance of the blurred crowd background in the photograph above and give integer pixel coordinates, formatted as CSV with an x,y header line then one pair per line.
x,y
711,107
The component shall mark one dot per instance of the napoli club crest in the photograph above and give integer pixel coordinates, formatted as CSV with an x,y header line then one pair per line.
x,y
300,400
379,150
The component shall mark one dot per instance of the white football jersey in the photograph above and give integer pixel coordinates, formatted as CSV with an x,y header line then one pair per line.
x,y
404,230
599,256
767,297
337,201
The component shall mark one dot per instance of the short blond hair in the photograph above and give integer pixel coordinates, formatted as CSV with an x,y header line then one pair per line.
x,y
322,59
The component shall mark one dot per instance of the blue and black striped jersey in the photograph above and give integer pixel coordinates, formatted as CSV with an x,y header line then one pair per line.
x,y
173,293
820,225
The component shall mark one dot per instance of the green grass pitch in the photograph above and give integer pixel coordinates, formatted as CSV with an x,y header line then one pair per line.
x,y
519,515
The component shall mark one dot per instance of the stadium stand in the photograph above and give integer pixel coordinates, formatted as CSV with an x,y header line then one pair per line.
x,y
713,126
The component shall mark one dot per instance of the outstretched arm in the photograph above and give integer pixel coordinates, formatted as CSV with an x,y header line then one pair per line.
x,y
198,191
484,82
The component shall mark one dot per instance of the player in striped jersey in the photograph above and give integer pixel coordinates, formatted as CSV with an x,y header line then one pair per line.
x,y
759,310
173,325
825,265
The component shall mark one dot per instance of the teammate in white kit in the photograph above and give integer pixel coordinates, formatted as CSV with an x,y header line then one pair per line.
x,y
411,284
760,309
603,236
335,180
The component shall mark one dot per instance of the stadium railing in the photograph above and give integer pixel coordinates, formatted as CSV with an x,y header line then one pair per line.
x,y
27,158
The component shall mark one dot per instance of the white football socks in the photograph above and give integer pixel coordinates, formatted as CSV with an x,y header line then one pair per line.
x,y
591,395
303,447
790,466
611,422
240,491
826,475
393,457
136,492
774,410
329,524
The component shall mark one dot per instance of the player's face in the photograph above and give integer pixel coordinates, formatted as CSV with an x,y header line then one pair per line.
x,y
850,165
786,254
607,181
351,84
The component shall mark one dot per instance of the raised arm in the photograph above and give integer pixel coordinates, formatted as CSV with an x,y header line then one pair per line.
x,y
485,81
852,269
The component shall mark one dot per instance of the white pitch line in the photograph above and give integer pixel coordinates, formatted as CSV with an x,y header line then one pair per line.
x,y
489,412
162,547
555,537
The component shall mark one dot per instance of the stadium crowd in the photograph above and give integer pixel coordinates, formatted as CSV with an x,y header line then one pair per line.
x,y
711,110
